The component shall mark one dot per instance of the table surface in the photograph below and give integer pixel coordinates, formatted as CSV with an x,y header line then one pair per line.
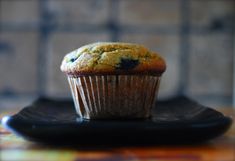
x,y
15,148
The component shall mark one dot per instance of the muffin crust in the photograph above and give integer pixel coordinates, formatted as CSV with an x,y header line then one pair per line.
x,y
112,58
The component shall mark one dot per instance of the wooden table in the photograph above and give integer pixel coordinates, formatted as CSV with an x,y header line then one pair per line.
x,y
13,148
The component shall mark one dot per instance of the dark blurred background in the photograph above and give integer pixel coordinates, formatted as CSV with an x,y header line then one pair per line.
x,y
196,37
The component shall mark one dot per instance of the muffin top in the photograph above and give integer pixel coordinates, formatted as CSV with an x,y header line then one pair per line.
x,y
112,58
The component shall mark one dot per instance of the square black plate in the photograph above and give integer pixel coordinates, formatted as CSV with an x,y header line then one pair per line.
x,y
177,120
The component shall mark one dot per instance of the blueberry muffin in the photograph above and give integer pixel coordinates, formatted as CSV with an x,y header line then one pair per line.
x,y
113,80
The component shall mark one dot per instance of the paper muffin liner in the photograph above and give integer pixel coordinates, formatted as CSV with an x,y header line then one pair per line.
x,y
114,96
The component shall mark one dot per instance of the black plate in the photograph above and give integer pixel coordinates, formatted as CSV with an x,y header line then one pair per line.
x,y
177,120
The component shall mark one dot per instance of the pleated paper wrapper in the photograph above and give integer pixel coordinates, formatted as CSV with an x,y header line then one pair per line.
x,y
114,96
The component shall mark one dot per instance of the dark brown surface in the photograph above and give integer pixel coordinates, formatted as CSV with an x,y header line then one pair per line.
x,y
175,121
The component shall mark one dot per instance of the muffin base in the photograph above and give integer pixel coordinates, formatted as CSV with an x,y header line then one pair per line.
x,y
114,96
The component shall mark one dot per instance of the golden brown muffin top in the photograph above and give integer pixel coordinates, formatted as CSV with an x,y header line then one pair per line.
x,y
112,58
